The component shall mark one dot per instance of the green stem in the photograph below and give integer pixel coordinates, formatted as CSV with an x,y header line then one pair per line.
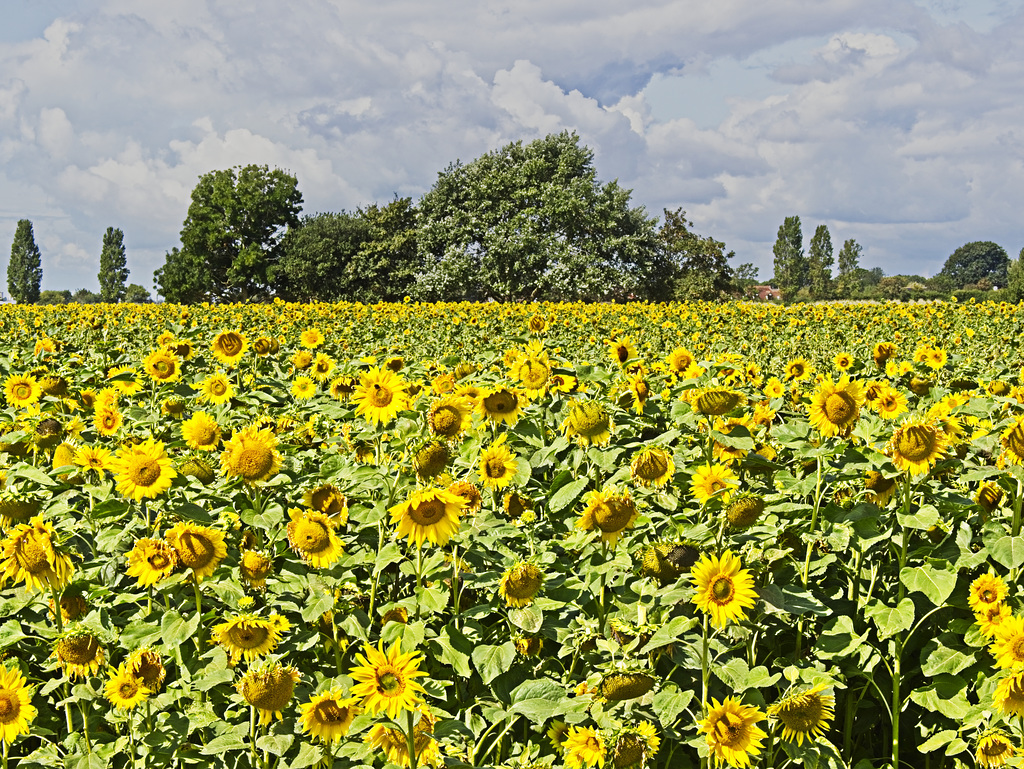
x,y
898,640
1017,500
410,736
252,735
5,753
456,590
199,612
85,726
705,669
131,741
814,525
419,577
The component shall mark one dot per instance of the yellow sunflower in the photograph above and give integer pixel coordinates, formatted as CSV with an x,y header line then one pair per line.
x,y
470,493
520,583
386,682
994,748
249,636
679,360
328,715
589,422
991,618
498,465
311,535
201,432
882,352
311,338
199,548
329,500
150,560
799,369
621,350
254,566
583,746
652,466
22,390
162,366
916,446
609,511
124,380
79,653
216,389
635,745
449,416
713,481
29,554
268,687
107,420
987,590
393,743
16,709
428,514
125,690
732,732
303,388
533,373
143,471
251,454
1008,646
145,664
1009,694
835,406
380,395
500,405
724,588
229,347
889,402
94,458
1012,441
322,367
774,388
879,488
804,714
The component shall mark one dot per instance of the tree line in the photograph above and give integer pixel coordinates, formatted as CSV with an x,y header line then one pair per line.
x,y
25,273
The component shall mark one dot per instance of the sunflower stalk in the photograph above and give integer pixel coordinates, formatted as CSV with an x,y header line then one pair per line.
x,y
705,668
410,736
898,641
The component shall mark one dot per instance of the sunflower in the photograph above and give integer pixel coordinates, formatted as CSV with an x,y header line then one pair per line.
x,y
621,350
201,432
329,500
107,420
799,369
162,366
843,361
533,373
386,682
994,748
498,465
311,535
1009,695
713,481
143,471
732,734
311,338
1012,441
145,664
609,511
16,709
724,589
652,466
322,367
124,380
679,360
500,405
635,745
745,510
889,402
22,390
879,488
264,346
199,548
583,746
393,743
470,493
150,560
268,688
303,388
79,653
124,689
29,554
991,618
380,395
625,685
916,445
989,495
431,458
342,388
328,715
93,458
835,406
249,636
1008,646
519,584
882,352
251,454
253,567
987,590
216,389
804,714
428,514
715,401
229,346
589,422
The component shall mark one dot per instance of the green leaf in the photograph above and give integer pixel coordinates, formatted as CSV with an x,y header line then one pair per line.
x,y
309,755
455,650
567,495
176,630
10,632
891,620
492,661
277,744
320,601
937,658
946,695
669,632
790,601
924,518
1008,551
529,619
91,761
139,633
234,740
937,740
839,639
670,702
536,710
936,584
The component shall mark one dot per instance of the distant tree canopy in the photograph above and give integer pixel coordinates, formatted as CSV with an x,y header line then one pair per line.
x,y
975,262
113,266
699,265
25,268
790,262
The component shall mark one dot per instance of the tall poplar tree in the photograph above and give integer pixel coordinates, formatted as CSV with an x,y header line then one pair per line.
x,y
849,264
113,267
25,270
819,264
790,262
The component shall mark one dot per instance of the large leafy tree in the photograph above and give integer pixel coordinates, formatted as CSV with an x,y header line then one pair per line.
x,y
1015,279
972,263
25,269
113,266
848,282
790,262
819,264
700,263
531,221
231,238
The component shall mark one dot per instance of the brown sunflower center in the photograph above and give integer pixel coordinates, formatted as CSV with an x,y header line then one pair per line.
x,y
427,513
588,419
145,472
312,536
994,747
388,683
804,715
108,420
230,344
878,483
918,442
128,688
78,650
268,690
195,549
1014,440
218,387
329,712
204,435
523,582
255,461
159,560
501,402
380,397
163,369
446,421
614,515
495,467
34,555
722,589
629,750
248,636
10,706
840,408
651,465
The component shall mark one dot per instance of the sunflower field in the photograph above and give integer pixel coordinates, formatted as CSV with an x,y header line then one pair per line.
x,y
511,535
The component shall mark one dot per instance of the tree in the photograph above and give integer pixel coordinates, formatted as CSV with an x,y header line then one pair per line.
x,y
113,266
975,261
745,278
54,297
85,296
530,222
819,264
700,264
231,238
389,259
25,269
1015,279
790,262
136,294
847,283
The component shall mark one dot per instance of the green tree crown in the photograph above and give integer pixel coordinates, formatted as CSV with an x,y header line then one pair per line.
x,y
25,269
113,266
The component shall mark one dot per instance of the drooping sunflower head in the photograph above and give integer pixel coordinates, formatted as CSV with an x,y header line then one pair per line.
x,y
254,567
500,405
609,511
31,554
835,406
716,401
197,468
589,423
668,560
199,548
145,664
520,583
264,346
635,746
329,500
652,466
79,652
994,748
313,538
882,352
328,715
627,685
428,514
804,715
249,636
251,454
1009,695
989,495
431,458
916,446
470,493
268,687
879,488
745,510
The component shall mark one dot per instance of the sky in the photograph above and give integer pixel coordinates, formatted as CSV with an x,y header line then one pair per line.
x,y
899,124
